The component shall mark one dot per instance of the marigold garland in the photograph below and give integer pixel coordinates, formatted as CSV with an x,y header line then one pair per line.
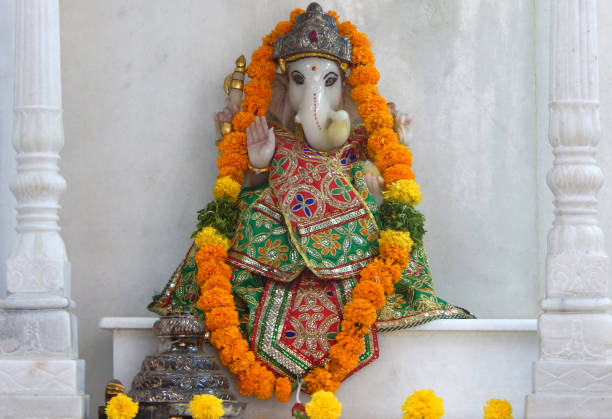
x,y
121,406
376,280
206,406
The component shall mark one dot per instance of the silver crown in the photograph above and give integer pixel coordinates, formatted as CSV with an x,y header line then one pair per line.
x,y
314,34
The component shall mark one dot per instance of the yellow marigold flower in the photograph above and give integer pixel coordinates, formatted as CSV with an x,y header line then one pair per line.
x,y
226,187
206,406
497,409
400,238
405,190
121,407
210,236
323,405
423,404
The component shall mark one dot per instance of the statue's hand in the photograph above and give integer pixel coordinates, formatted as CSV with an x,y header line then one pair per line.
x,y
375,185
260,143
227,114
401,124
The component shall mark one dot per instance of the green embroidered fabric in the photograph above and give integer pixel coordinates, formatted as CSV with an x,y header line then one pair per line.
x,y
413,303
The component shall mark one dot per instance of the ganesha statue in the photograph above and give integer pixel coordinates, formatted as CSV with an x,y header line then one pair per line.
x,y
313,244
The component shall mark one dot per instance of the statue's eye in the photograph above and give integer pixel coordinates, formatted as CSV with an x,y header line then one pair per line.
x,y
330,79
297,77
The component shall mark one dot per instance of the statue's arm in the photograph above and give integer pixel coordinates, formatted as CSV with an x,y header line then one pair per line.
x,y
401,124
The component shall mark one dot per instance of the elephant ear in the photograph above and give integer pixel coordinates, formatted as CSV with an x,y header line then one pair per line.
x,y
347,103
279,110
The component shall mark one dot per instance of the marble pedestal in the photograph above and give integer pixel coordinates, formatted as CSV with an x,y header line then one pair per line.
x,y
40,376
466,362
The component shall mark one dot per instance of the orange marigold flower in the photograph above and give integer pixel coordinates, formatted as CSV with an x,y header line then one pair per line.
x,y
233,350
234,142
256,104
338,372
263,53
376,104
258,88
379,139
359,310
371,291
354,329
282,389
359,40
393,270
216,297
378,120
210,252
236,160
363,56
241,122
394,252
236,173
266,385
335,15
257,380
242,363
344,358
363,74
350,343
211,268
320,379
294,14
262,70
347,28
247,382
346,350
282,28
221,317
221,338
377,271
217,281
364,93
397,172
392,154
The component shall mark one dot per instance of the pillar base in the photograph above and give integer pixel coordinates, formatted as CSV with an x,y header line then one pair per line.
x,y
568,406
43,389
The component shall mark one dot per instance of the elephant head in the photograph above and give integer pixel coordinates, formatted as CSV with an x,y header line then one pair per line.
x,y
315,95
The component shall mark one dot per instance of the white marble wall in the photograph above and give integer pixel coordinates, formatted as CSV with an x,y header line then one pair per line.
x,y
141,80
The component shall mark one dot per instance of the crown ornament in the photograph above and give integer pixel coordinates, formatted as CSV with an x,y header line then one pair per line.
x,y
314,34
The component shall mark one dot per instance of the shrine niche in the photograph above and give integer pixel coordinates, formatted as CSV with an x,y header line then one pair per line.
x,y
313,244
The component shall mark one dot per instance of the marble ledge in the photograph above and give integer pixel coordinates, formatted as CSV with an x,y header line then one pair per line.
x,y
454,325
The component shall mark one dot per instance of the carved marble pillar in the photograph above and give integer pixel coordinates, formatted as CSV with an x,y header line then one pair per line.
x,y
573,377
39,373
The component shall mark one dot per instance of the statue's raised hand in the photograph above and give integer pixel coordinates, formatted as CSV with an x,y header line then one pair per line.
x,y
260,143
401,124
232,106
